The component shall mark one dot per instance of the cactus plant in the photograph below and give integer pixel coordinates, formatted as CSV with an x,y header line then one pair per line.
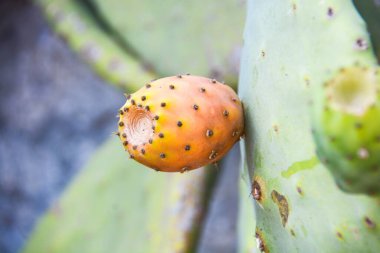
x,y
298,206
180,123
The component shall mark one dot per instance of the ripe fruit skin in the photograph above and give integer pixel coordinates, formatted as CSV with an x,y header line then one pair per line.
x,y
347,129
180,123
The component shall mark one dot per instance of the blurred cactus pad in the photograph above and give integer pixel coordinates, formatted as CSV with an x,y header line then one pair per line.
x,y
289,200
131,42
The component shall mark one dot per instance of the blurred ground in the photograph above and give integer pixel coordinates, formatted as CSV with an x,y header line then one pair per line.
x,y
54,112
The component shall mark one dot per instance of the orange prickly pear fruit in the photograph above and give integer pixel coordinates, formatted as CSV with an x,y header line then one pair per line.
x,y
180,123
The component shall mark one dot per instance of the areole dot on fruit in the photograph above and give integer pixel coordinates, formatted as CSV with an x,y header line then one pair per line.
x,y
180,123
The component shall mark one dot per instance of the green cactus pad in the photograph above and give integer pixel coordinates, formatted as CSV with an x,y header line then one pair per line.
x,y
117,205
202,37
95,47
347,129
290,49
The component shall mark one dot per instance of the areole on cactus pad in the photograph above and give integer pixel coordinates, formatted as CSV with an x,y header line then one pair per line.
x,y
180,123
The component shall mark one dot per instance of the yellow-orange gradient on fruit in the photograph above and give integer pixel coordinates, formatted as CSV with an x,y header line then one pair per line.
x,y
180,123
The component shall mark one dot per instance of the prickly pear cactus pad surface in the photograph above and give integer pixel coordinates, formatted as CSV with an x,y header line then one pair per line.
x,y
347,129
180,123
291,48
116,206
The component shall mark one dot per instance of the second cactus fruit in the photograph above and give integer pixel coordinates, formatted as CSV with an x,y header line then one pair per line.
x,y
347,129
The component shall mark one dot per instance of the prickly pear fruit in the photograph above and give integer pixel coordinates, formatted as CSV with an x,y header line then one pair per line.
x,y
347,129
180,123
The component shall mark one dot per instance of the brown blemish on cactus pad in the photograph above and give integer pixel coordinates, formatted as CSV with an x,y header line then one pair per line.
x,y
260,242
283,206
292,232
294,7
257,189
369,223
339,235
299,190
137,126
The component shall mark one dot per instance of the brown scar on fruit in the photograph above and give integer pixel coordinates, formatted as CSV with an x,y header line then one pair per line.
x,y
282,204
184,169
213,155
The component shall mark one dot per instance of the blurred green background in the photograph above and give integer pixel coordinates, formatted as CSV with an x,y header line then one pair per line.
x,y
65,183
